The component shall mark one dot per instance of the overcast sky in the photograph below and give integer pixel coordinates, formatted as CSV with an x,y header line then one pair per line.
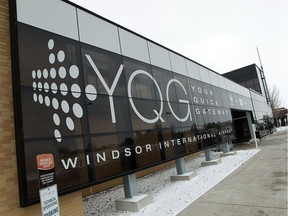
x,y
222,35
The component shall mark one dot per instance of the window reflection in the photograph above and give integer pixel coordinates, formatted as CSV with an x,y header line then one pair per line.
x,y
70,147
108,64
113,154
100,119
163,77
147,146
142,86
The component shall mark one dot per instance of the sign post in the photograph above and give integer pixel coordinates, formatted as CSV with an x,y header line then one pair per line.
x,y
47,186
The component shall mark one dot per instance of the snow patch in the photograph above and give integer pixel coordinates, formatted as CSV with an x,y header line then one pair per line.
x,y
283,128
169,197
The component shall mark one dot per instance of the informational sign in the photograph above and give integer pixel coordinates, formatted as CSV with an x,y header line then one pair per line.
x,y
46,170
49,201
48,188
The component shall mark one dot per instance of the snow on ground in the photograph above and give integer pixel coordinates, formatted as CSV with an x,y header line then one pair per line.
x,y
169,197
283,128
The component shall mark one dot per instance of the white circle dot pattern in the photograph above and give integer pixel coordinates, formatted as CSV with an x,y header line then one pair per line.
x,y
34,85
33,74
56,119
52,73
74,71
51,58
35,97
46,87
70,124
50,44
61,56
40,86
65,106
91,92
40,99
45,73
55,103
77,110
76,90
63,89
39,74
57,135
62,72
47,101
53,87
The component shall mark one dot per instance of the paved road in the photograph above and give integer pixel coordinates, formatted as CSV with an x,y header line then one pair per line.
x,y
257,188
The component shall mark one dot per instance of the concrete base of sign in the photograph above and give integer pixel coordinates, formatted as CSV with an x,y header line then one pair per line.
x,y
215,155
251,141
183,177
134,204
228,154
211,162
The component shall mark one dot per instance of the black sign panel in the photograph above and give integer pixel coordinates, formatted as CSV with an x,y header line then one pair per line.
x,y
103,115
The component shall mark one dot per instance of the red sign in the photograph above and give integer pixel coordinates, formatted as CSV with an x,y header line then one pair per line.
x,y
45,162
46,170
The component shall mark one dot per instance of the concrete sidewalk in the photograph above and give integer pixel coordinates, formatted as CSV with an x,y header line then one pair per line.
x,y
257,188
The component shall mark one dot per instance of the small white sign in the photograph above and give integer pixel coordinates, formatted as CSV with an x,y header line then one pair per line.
x,y
49,201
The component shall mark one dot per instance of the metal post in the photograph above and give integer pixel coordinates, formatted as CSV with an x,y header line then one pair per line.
x,y
180,166
208,154
130,186
251,128
225,147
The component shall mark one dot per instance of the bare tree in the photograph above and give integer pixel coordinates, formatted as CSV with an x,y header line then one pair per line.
x,y
275,102
275,99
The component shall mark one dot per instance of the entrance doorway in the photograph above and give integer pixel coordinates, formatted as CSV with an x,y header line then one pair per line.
x,y
240,121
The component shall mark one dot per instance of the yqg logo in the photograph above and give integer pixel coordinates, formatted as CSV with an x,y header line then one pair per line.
x,y
41,88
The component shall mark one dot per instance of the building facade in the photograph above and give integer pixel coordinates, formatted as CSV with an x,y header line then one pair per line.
x,y
105,101
253,78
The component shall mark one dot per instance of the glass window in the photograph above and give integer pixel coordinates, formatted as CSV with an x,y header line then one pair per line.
x,y
144,114
169,114
70,148
159,56
204,74
225,98
96,31
214,78
182,87
133,46
110,150
186,112
202,115
249,83
231,99
217,97
197,92
172,143
193,70
212,115
143,85
209,94
36,59
162,77
147,147
101,68
101,111
178,64
191,142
